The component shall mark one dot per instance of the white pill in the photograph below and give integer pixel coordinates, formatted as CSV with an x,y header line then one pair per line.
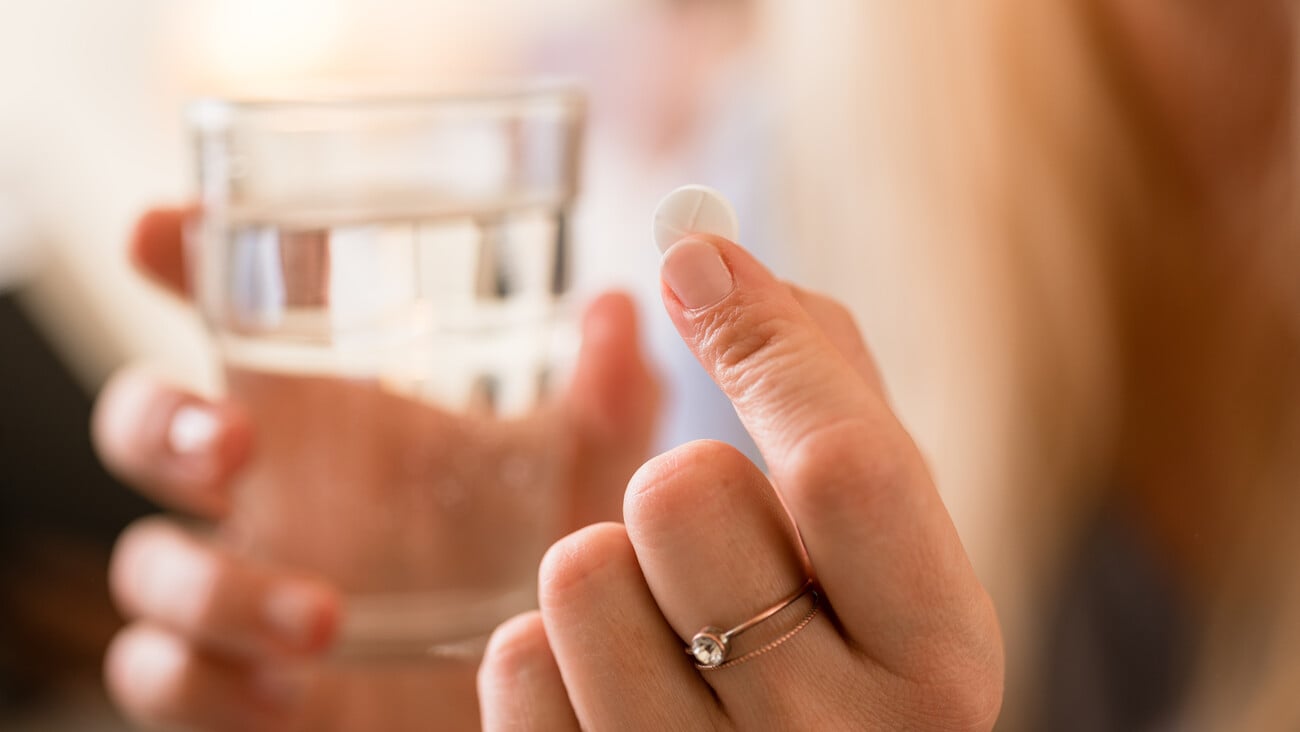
x,y
694,209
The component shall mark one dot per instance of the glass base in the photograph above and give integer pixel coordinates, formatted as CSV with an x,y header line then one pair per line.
x,y
433,626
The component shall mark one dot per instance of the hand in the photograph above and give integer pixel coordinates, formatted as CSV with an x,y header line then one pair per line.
x,y
219,642
906,638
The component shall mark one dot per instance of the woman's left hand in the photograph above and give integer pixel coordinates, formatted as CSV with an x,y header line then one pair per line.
x,y
904,636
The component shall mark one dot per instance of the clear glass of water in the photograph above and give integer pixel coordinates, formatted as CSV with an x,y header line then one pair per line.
x,y
385,281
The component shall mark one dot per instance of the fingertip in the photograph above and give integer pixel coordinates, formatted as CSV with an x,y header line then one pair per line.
x,y
143,668
162,574
614,389
611,407
122,405
579,561
127,566
519,681
157,248
177,447
160,681
696,273
609,341
610,318
232,448
305,615
667,485
758,343
518,647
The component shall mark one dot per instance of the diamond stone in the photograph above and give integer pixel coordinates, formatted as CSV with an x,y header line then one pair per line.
x,y
707,650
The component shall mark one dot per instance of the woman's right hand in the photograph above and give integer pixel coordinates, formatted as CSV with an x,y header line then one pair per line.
x,y
216,641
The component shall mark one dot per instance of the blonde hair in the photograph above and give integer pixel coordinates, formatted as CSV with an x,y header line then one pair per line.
x,y
989,188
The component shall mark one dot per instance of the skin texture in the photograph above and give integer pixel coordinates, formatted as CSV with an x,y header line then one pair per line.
x,y
910,640
906,637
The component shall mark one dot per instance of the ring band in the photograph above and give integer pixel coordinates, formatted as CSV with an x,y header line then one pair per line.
x,y
710,646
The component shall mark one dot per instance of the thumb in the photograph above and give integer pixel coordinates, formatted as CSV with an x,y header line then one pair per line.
x,y
612,408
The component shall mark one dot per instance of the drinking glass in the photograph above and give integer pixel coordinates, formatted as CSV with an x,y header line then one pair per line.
x,y
385,282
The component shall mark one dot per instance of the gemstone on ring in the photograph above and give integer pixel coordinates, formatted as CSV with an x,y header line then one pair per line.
x,y
708,647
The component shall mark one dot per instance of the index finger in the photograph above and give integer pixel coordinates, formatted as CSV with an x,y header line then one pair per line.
x,y
875,529
157,247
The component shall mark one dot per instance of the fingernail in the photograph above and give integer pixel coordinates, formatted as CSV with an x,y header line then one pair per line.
x,y
193,430
696,274
297,614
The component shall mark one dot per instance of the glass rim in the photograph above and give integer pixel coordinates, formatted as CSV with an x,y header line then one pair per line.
x,y
206,113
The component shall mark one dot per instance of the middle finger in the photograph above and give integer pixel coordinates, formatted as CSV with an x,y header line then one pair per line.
x,y
233,607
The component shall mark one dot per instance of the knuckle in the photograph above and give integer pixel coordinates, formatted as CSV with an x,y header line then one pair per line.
x,y
840,311
517,646
738,338
575,563
847,462
822,304
840,326
677,481
754,351
844,318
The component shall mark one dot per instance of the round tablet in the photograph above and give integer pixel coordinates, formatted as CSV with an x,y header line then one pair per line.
x,y
694,209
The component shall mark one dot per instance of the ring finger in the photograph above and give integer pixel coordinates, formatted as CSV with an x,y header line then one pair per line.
x,y
718,548
620,661
171,578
